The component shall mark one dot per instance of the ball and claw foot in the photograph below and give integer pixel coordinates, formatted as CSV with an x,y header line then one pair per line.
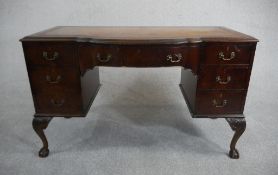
x,y
43,152
234,154
238,125
39,125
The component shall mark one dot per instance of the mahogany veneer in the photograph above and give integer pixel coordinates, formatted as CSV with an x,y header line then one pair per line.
x,y
62,65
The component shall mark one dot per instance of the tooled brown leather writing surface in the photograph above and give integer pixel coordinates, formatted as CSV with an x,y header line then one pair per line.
x,y
129,35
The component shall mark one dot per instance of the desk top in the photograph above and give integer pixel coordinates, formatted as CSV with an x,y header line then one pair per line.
x,y
139,35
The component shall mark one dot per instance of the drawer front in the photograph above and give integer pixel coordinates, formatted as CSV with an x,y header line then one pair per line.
x,y
155,56
60,102
220,102
45,53
223,77
54,78
228,54
98,55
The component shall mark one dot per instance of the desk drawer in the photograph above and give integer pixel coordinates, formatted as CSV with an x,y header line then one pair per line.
x,y
223,77
47,78
91,55
155,56
60,102
226,53
220,102
45,53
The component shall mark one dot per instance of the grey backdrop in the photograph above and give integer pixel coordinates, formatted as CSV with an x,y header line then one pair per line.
x,y
139,122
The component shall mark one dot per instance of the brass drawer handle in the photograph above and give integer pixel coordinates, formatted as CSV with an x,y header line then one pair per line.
x,y
221,55
57,103
104,59
219,105
228,79
55,81
174,59
54,57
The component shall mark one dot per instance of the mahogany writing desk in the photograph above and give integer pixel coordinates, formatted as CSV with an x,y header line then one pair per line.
x,y
62,65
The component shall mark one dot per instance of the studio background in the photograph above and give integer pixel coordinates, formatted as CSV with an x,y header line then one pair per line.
x,y
139,122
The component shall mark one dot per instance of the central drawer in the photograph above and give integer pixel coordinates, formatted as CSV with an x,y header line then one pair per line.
x,y
91,55
155,56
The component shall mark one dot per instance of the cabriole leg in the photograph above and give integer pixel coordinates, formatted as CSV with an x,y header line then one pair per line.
x,y
39,124
238,125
